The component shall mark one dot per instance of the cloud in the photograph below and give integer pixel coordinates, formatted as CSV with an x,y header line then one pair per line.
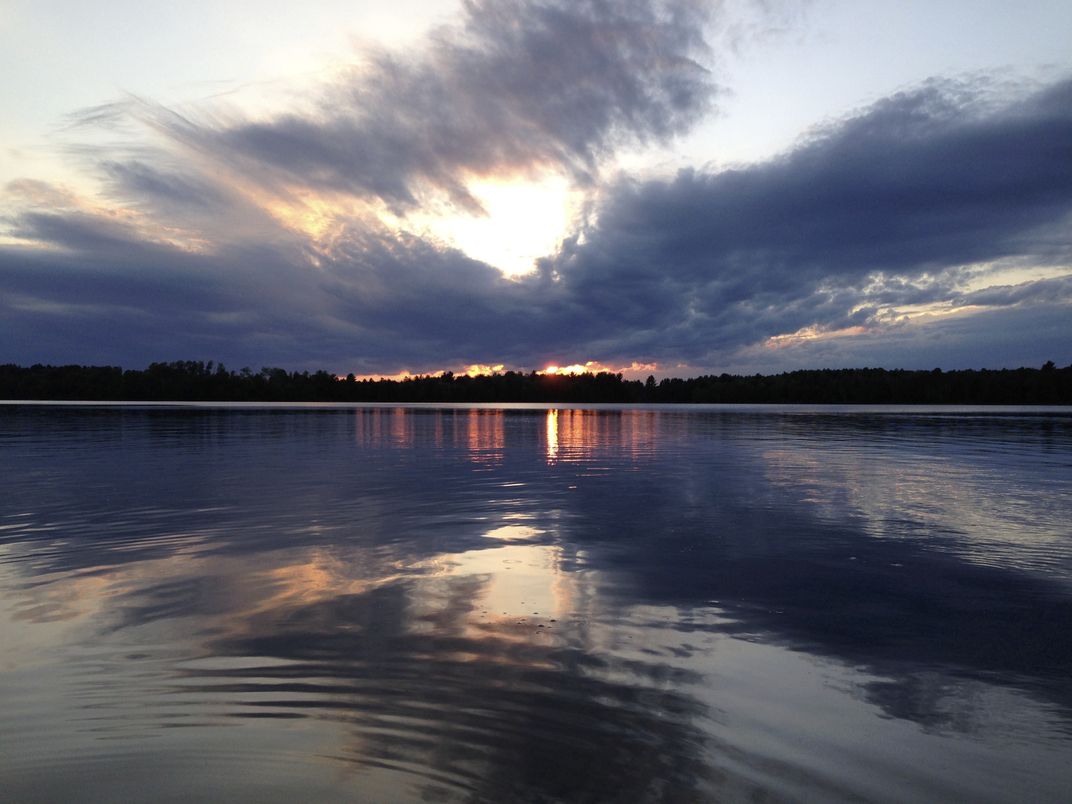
x,y
136,179
1058,289
891,205
997,337
227,239
517,87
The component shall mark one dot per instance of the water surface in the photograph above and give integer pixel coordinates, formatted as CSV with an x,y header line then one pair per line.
x,y
279,603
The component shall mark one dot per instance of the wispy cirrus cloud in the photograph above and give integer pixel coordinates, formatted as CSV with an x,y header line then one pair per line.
x,y
515,88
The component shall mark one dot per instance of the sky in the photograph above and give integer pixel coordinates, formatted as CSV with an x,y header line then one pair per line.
x,y
673,187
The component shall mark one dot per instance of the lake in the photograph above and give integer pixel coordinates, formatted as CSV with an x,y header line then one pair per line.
x,y
523,603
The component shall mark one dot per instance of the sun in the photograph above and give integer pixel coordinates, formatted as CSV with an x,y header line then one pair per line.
x,y
525,220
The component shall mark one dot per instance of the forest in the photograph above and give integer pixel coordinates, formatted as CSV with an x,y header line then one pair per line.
x,y
194,380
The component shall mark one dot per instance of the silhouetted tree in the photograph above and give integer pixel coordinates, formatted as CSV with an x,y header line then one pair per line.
x,y
196,380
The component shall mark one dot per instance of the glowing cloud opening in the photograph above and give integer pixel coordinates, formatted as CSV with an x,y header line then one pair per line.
x,y
525,219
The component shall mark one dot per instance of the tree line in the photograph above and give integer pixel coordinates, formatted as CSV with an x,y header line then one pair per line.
x,y
195,380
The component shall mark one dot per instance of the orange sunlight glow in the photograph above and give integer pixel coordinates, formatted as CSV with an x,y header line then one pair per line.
x,y
481,370
576,368
522,219
633,371
310,216
810,334
472,370
137,223
595,367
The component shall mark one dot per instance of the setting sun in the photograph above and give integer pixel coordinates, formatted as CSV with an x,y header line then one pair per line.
x,y
524,220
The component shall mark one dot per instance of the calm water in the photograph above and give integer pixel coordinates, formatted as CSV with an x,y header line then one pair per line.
x,y
623,604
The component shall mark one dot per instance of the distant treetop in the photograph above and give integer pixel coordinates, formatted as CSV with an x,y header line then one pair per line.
x,y
195,380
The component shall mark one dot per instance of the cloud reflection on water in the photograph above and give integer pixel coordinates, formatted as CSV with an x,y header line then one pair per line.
x,y
455,614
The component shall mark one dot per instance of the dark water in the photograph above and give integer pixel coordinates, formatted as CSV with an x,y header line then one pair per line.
x,y
535,605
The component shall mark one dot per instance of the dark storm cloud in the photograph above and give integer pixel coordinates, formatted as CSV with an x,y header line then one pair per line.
x,y
913,201
888,206
93,234
516,87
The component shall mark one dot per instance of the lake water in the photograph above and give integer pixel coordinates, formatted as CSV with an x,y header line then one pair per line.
x,y
316,603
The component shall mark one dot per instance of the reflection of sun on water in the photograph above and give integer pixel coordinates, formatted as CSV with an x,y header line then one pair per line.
x,y
484,435
513,590
522,580
552,436
513,533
